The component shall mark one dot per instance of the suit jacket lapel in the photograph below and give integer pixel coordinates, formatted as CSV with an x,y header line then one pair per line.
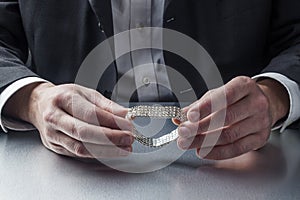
x,y
103,11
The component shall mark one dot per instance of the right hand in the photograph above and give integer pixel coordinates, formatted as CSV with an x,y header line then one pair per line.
x,y
79,122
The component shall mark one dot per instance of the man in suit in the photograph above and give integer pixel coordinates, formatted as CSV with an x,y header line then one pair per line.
x,y
245,39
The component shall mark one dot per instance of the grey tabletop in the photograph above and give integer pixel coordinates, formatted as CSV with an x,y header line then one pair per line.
x,y
29,171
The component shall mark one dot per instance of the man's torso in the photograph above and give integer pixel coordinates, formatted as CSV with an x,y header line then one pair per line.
x,y
61,33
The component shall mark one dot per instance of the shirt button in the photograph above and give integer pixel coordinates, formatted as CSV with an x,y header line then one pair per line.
x,y
101,27
146,81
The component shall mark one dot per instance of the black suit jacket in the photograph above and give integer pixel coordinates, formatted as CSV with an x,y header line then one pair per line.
x,y
243,37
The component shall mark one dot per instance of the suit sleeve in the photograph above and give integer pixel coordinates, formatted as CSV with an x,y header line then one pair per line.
x,y
285,39
13,45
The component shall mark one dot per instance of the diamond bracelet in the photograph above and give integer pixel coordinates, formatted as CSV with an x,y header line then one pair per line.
x,y
156,112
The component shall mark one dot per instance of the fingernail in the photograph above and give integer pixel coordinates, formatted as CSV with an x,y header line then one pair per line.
x,y
184,132
193,116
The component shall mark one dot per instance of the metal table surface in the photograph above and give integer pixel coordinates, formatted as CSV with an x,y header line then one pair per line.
x,y
30,171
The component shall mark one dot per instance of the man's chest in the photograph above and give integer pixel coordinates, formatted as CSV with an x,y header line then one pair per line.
x,y
234,32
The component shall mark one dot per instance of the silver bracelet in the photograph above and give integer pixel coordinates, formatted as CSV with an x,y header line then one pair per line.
x,y
156,112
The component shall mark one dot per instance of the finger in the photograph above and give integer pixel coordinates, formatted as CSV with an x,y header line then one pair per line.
x,y
89,133
74,148
100,101
244,145
60,150
187,108
82,109
224,136
232,92
233,114
78,149
62,144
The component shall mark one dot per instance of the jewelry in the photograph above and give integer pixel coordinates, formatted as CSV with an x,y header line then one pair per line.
x,y
156,112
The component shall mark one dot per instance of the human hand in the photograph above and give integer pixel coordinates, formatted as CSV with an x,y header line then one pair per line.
x,y
78,122
252,108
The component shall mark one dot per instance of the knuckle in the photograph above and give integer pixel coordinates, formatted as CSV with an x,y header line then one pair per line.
x,y
58,99
50,117
50,137
45,142
200,127
219,154
90,114
108,105
207,97
79,131
71,102
73,98
239,149
247,81
79,149
68,105
230,117
210,93
228,136
114,138
48,134
57,149
62,97
95,94
205,106
230,92
73,129
235,134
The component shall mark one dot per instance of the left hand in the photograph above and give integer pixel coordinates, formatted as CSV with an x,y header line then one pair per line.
x,y
252,108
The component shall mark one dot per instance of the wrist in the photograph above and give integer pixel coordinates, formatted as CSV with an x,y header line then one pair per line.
x,y
278,98
33,108
21,104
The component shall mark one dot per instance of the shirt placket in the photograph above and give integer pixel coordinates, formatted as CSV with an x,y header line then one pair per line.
x,y
142,60
142,70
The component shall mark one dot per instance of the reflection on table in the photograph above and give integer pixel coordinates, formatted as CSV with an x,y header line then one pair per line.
x,y
29,171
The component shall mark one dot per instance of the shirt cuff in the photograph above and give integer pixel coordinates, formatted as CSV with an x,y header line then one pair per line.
x,y
14,124
294,95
